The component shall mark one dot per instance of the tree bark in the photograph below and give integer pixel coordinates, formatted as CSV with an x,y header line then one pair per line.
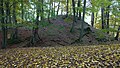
x,y
54,8
117,35
96,15
7,14
35,35
42,10
92,19
4,31
73,24
58,8
102,18
49,12
82,24
79,12
22,15
108,15
92,15
67,8
15,34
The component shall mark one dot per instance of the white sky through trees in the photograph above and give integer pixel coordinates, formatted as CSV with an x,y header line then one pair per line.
x,y
87,17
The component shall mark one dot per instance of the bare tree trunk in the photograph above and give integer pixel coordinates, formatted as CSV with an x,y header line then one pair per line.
x,y
82,24
42,10
49,16
4,31
108,15
35,35
79,16
92,19
22,15
114,25
117,35
102,18
96,14
73,24
15,34
58,8
54,9
49,13
67,8
7,15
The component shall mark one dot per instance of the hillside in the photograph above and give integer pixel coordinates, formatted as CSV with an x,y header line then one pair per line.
x,y
57,32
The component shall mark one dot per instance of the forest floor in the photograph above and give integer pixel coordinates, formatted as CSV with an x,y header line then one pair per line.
x,y
102,56
56,49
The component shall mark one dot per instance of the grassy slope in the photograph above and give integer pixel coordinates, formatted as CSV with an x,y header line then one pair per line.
x,y
64,56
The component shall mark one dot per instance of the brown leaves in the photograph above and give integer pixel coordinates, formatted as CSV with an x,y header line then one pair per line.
x,y
67,56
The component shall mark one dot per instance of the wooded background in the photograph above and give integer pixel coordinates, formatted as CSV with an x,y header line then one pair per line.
x,y
105,15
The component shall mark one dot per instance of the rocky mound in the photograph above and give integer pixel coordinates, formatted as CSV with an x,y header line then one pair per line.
x,y
57,33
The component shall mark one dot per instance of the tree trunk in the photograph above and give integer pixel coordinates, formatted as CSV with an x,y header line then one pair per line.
x,y
73,24
108,15
15,34
49,13
49,16
42,10
82,24
7,14
102,18
35,35
62,9
67,8
22,15
114,26
117,35
58,8
96,15
92,19
51,9
54,9
4,31
79,12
